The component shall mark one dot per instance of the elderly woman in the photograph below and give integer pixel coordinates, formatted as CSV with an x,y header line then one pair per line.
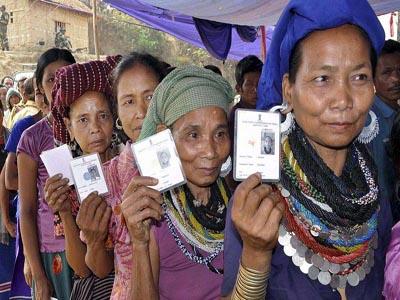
x,y
134,81
83,119
335,227
187,240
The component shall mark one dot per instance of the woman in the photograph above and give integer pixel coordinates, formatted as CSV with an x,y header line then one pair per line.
x,y
45,254
7,223
193,102
13,98
335,227
134,81
83,119
21,287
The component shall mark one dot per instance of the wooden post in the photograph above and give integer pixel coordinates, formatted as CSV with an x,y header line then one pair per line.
x,y
398,26
96,42
263,44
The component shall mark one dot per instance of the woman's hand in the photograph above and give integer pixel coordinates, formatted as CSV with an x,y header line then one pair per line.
x,y
43,289
27,273
56,193
93,218
256,214
140,204
11,227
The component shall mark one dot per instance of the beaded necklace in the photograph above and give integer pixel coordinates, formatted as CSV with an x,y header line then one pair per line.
x,y
181,219
322,241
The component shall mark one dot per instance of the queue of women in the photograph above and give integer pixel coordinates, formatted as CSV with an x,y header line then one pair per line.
x,y
322,232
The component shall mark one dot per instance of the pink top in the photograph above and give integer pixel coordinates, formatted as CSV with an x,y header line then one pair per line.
x,y
119,173
34,141
391,287
195,281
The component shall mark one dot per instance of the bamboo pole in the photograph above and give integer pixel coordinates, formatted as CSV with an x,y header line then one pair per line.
x,y
96,41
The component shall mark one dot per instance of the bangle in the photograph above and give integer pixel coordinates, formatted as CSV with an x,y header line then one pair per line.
x,y
250,284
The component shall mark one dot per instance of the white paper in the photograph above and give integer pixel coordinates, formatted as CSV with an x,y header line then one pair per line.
x,y
88,175
157,157
57,161
257,145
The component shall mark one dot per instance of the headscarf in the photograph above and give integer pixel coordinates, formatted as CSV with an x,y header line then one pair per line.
x,y
300,18
12,92
73,81
182,91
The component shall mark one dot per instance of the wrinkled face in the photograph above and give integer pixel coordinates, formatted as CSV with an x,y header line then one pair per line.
x,y
134,92
8,82
14,99
48,78
387,77
333,88
248,90
90,122
3,94
203,144
39,99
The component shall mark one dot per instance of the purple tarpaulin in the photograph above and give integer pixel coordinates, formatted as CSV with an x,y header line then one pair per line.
x,y
183,27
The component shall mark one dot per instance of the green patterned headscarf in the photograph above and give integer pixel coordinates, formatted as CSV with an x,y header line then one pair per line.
x,y
182,91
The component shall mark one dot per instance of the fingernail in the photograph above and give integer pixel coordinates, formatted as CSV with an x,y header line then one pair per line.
x,y
59,176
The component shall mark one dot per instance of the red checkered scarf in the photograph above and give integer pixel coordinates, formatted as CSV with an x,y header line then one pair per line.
x,y
73,81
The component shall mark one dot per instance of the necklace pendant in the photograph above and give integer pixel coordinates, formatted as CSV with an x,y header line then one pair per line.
x,y
196,203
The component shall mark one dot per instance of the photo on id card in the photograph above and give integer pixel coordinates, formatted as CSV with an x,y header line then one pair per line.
x,y
257,145
88,175
157,157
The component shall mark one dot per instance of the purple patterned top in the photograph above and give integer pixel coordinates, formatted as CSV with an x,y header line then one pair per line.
x,y
34,141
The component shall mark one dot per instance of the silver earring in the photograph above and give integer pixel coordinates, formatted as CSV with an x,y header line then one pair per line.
x,y
369,132
226,167
288,125
118,124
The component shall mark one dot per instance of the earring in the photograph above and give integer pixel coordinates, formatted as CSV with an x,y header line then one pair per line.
x,y
115,140
118,124
288,125
368,133
226,167
73,145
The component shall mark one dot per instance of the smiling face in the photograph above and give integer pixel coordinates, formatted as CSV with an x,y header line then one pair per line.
x,y
333,88
134,92
203,144
90,123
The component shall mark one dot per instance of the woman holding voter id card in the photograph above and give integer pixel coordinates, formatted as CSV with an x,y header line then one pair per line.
x,y
83,119
44,252
322,232
134,80
176,237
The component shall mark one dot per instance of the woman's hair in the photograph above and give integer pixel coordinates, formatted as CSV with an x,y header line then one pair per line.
x,y
50,56
296,55
135,58
29,89
11,92
5,77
